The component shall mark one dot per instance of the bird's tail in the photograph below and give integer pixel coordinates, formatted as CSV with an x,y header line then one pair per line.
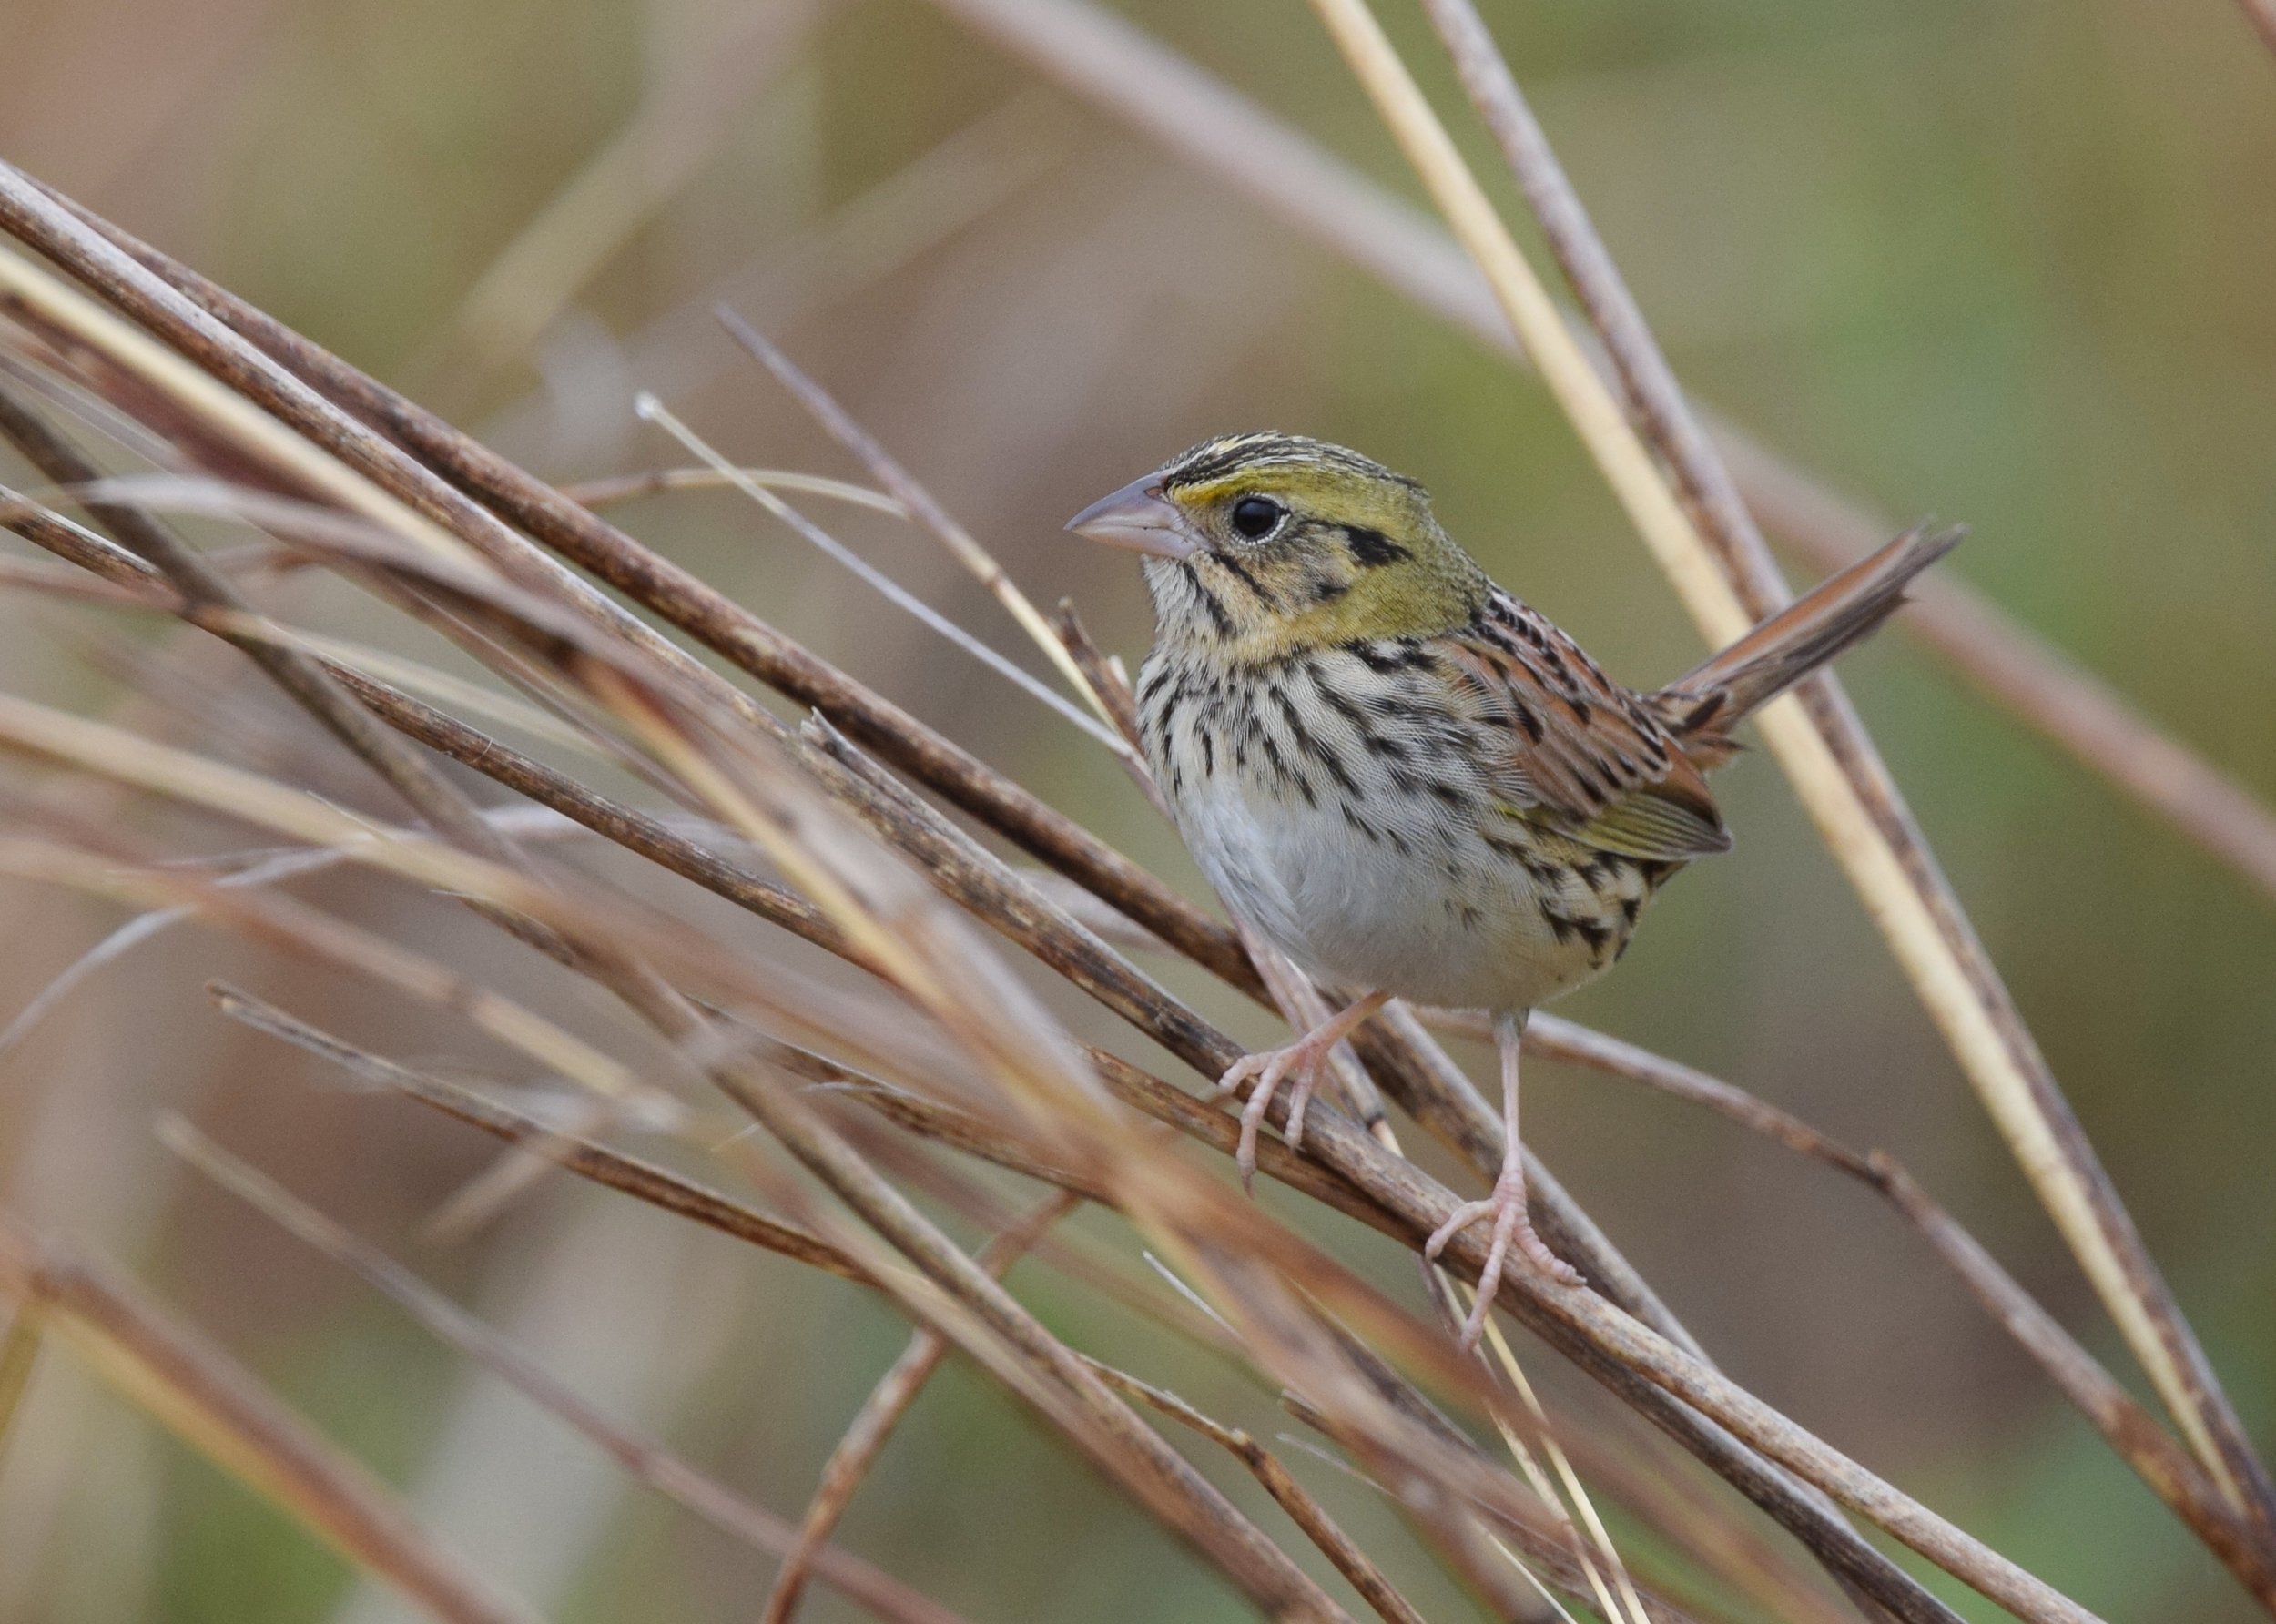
x,y
1844,609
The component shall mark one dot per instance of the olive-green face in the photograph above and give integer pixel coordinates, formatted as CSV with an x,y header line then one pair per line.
x,y
1279,541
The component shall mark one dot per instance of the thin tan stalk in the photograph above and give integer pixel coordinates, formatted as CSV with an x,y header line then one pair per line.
x,y
19,1353
1849,796
644,1180
1213,127
647,406
621,488
880,1413
2261,15
644,1460
32,295
206,589
205,1398
921,507
1294,1498
2170,1471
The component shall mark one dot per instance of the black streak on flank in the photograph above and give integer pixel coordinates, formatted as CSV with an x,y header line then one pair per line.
x,y
1372,549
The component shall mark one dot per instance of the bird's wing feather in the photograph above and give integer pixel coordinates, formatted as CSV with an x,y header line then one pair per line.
x,y
1583,755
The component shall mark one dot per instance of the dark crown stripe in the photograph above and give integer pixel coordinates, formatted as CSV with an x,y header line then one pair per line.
x,y
1214,459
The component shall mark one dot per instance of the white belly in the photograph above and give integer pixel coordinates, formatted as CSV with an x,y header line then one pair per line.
x,y
1447,921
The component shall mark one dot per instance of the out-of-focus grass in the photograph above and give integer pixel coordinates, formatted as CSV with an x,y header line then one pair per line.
x,y
2006,264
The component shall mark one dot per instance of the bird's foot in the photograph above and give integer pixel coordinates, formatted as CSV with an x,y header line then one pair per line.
x,y
1513,1227
1297,1064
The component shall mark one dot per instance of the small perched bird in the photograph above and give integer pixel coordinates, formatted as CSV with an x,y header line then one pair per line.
x,y
1408,780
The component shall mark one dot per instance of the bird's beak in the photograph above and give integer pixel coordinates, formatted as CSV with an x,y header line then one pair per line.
x,y
1137,517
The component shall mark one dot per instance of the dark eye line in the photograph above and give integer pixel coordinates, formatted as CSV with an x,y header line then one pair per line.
x,y
1371,548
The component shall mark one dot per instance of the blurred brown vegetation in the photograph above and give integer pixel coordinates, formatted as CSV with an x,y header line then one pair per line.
x,y
2006,264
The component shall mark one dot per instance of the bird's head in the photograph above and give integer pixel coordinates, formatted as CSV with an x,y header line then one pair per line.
x,y
1266,541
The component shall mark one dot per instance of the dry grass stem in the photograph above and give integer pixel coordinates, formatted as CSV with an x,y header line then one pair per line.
x,y
866,1437
887,1107
200,1394
1220,132
642,1459
900,596
1833,765
921,507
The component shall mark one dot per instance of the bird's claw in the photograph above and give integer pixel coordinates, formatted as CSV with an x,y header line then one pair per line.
x,y
1271,1068
1513,1229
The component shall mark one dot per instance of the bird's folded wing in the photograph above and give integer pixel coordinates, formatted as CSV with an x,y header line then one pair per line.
x,y
1580,755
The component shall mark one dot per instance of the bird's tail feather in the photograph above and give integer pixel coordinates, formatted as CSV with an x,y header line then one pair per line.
x,y
1832,617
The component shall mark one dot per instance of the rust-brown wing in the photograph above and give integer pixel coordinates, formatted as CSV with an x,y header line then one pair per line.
x,y
1585,757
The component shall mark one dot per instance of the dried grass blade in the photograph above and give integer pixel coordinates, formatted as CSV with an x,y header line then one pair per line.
x,y
1302,1506
1849,796
865,1439
920,506
644,1180
600,493
204,1397
19,1353
31,293
646,1460
892,591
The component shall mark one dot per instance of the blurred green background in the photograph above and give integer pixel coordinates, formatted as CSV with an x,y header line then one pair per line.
x,y
2008,263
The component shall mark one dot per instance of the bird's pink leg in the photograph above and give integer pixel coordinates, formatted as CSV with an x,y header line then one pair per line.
x,y
1301,1059
1513,1226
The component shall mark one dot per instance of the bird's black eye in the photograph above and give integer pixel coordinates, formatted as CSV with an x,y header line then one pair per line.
x,y
1256,516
